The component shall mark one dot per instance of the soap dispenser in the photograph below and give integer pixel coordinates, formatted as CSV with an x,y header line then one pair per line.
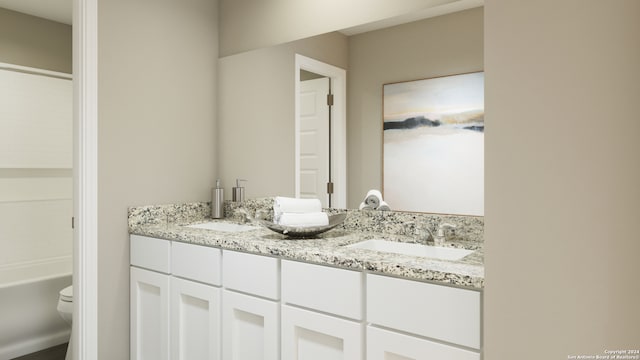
x,y
217,201
238,191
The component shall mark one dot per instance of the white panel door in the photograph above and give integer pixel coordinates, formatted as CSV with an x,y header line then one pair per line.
x,y
389,345
251,327
149,301
314,139
195,320
307,335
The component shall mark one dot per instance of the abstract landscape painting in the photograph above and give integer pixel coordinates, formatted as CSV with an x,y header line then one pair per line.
x,y
434,145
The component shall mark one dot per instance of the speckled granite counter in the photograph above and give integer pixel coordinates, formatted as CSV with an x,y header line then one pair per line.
x,y
168,222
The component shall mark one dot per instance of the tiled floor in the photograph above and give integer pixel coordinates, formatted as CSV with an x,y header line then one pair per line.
x,y
52,353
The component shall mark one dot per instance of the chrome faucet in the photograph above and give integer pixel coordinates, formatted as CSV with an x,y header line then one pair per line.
x,y
244,215
440,237
419,232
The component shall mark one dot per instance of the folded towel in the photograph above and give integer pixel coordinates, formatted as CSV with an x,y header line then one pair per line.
x,y
304,220
373,198
384,206
364,206
283,204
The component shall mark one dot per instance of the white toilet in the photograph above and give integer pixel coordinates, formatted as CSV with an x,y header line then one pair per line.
x,y
65,308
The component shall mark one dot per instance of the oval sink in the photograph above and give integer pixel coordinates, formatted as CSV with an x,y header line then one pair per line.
x,y
435,252
223,226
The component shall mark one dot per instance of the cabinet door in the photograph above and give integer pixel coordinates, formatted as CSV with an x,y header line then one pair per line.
x,y
308,335
389,345
195,321
149,315
251,327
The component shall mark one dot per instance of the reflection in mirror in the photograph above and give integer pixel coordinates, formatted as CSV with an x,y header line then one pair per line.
x,y
320,132
315,122
265,78
429,48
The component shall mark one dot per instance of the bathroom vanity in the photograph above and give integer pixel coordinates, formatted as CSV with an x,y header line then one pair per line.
x,y
198,293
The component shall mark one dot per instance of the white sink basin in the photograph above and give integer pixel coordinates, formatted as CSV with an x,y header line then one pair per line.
x,y
223,226
395,247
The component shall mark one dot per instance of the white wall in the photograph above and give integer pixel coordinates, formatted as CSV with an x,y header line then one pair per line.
x,y
562,178
157,137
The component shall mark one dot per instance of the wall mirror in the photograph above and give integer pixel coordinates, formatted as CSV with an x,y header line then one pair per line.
x,y
268,79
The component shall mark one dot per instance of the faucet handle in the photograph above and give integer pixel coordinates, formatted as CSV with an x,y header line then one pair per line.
x,y
443,226
440,237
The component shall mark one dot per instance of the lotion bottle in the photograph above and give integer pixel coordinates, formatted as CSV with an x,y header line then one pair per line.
x,y
217,201
238,191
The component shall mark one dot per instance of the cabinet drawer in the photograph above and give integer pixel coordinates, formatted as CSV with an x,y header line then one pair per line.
x,y
323,288
383,344
434,311
150,253
196,262
253,274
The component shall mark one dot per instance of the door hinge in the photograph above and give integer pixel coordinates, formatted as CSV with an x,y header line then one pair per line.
x,y
330,99
73,222
329,188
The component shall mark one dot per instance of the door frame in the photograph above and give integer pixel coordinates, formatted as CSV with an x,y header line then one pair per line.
x,y
85,179
338,78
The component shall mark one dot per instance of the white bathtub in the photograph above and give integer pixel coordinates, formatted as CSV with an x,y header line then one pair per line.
x,y
29,320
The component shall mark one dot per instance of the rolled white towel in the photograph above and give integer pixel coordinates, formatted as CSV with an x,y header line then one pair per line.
x,y
304,220
364,206
283,204
384,206
373,198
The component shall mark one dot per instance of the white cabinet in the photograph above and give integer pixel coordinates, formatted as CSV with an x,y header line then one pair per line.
x,y
197,302
251,312
252,274
251,327
389,345
434,311
195,320
323,288
173,317
311,335
308,335
149,315
450,316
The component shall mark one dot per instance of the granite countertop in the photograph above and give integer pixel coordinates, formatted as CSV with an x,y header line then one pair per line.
x,y
329,249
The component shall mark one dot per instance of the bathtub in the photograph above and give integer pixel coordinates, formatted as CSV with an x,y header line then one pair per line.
x,y
29,320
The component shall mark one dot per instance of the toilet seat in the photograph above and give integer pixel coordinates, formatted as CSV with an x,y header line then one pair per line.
x,y
66,294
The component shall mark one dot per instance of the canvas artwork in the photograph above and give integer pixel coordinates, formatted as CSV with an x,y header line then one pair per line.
x,y
434,145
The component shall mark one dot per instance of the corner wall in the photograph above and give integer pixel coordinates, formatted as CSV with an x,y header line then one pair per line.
x,y
157,142
34,42
562,178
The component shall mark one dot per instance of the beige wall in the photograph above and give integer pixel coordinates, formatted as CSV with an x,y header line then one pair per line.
x,y
248,25
157,118
34,42
562,178
256,113
444,45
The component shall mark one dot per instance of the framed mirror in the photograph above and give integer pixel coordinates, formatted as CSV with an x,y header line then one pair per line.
x,y
433,144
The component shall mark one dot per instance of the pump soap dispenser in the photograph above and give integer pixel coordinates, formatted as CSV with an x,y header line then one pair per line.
x,y
238,191
217,201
